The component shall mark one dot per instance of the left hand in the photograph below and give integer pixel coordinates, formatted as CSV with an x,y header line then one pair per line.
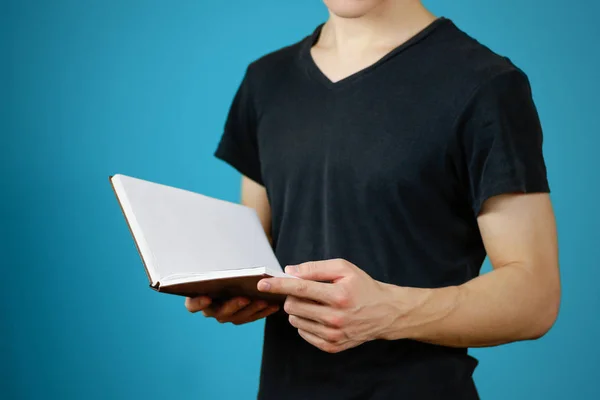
x,y
351,310
238,310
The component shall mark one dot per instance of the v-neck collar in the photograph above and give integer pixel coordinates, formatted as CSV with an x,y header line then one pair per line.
x,y
316,73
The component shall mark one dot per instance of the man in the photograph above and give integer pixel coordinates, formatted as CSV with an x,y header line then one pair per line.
x,y
386,154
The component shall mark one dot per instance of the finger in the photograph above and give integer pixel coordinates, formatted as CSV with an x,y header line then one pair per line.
x,y
326,333
251,309
328,270
309,310
319,342
259,315
317,291
229,308
195,304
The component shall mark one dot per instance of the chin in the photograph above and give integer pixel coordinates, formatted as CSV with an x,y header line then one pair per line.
x,y
351,8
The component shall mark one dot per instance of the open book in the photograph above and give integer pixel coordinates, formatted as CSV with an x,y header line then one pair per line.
x,y
191,244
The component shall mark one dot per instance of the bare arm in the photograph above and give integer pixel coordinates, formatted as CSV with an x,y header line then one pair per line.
x,y
518,300
255,195
240,310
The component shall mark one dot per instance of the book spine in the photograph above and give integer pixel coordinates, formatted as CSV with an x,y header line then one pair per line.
x,y
156,286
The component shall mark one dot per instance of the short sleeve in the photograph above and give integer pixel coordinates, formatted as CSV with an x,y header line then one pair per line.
x,y
238,145
501,139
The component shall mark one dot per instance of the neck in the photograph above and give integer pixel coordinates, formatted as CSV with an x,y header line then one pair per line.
x,y
388,25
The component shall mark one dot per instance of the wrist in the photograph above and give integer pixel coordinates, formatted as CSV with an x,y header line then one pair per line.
x,y
401,305
416,311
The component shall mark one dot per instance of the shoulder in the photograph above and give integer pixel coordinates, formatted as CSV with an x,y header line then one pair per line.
x,y
267,76
276,65
474,65
278,58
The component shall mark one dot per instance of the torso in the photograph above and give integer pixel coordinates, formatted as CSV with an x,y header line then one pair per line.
x,y
366,169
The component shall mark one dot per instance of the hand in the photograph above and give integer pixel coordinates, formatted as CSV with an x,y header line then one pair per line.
x,y
352,309
238,310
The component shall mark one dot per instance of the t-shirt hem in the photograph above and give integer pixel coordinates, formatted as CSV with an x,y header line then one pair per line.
x,y
226,152
508,187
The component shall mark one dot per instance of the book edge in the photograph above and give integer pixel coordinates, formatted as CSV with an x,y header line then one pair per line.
x,y
154,284
225,274
216,275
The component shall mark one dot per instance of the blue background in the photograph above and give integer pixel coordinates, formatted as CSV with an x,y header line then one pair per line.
x,y
141,87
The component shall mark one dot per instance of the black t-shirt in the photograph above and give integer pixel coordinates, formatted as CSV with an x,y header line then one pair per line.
x,y
388,169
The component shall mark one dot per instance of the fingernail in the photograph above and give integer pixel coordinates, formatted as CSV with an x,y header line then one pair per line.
x,y
291,269
264,285
243,303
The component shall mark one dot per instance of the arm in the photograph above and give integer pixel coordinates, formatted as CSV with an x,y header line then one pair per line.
x,y
518,300
255,195
241,310
239,148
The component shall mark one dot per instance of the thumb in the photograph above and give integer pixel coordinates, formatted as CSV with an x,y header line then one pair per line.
x,y
329,270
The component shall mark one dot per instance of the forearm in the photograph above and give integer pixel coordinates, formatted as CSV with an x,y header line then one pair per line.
x,y
254,195
506,305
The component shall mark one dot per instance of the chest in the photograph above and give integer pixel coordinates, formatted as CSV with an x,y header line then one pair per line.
x,y
371,139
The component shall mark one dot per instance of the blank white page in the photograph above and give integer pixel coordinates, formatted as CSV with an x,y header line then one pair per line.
x,y
181,233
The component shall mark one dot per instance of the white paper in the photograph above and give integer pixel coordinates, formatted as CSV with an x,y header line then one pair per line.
x,y
182,234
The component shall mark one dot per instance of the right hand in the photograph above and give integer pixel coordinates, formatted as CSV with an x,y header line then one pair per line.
x,y
238,310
